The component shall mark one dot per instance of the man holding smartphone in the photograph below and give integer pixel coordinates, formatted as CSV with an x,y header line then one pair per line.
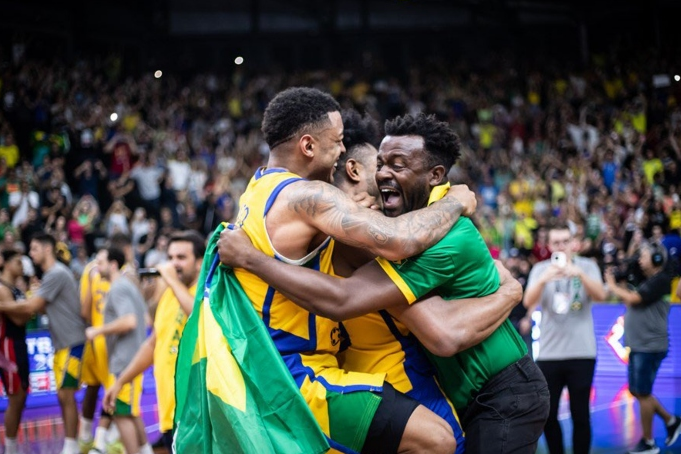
x,y
565,286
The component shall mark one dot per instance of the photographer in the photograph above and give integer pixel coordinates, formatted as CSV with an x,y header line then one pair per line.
x,y
565,286
646,334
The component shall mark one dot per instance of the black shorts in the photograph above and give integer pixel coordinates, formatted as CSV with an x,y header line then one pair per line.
x,y
15,350
387,427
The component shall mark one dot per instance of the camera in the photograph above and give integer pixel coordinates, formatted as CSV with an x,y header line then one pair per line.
x,y
629,271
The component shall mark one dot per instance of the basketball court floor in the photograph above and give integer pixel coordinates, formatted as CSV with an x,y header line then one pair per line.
x,y
615,420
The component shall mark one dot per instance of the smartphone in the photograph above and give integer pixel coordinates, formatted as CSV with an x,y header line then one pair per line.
x,y
559,259
148,272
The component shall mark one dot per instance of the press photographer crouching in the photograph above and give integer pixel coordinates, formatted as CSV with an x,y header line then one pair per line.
x,y
647,336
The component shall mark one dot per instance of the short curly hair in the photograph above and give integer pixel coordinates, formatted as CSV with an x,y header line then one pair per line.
x,y
357,131
440,141
293,110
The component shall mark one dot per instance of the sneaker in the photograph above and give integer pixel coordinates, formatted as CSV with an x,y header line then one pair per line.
x,y
673,431
94,450
643,447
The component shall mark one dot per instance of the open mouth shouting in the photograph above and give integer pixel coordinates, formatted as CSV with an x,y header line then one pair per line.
x,y
392,199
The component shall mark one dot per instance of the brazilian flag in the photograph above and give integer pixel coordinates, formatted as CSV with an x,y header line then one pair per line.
x,y
234,393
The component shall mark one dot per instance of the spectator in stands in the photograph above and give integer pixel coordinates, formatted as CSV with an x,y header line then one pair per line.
x,y
21,201
148,177
9,151
116,219
159,253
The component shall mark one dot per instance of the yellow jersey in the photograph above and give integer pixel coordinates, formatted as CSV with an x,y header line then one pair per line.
x,y
168,326
98,287
308,343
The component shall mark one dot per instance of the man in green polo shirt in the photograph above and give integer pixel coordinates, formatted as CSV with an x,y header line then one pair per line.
x,y
495,386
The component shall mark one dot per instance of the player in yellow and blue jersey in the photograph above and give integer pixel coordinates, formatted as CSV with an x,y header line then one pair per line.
x,y
473,350
290,212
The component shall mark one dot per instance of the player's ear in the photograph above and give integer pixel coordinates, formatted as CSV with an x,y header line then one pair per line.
x,y
438,176
306,145
352,170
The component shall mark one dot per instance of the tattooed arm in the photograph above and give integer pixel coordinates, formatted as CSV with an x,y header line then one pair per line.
x,y
445,327
367,290
328,209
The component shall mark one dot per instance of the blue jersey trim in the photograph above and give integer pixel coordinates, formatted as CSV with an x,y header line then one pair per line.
x,y
259,173
299,372
276,191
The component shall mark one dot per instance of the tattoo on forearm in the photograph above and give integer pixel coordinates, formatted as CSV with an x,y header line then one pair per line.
x,y
362,227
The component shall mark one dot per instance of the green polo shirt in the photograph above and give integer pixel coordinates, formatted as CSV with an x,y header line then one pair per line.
x,y
460,266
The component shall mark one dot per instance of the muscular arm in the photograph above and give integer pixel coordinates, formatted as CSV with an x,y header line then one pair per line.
x,y
334,213
23,307
367,290
446,328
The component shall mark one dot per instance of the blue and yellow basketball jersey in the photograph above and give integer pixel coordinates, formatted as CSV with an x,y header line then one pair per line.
x,y
378,342
308,343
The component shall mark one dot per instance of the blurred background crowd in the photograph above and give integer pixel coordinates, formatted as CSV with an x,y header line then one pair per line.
x,y
138,119
86,152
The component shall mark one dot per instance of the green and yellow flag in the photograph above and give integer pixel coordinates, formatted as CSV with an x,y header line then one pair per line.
x,y
234,393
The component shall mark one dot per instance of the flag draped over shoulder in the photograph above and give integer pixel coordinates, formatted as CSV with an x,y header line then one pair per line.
x,y
234,393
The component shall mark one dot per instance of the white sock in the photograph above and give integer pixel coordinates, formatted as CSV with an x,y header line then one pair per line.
x,y
672,421
100,439
112,435
146,449
71,446
85,431
650,441
11,446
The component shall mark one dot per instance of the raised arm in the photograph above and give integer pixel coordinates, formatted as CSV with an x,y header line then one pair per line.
x,y
447,327
367,290
334,213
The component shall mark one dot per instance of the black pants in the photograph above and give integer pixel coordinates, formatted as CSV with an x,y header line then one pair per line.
x,y
508,414
578,376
